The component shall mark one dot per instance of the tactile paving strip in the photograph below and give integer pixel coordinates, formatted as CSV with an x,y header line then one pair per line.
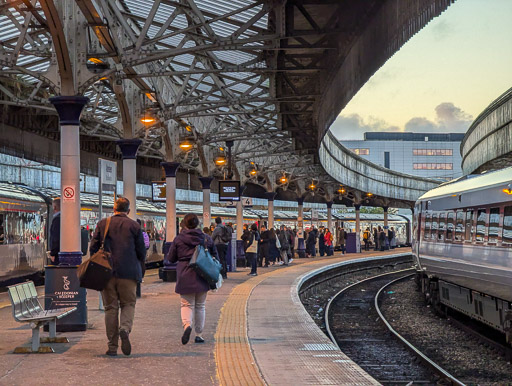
x,y
235,362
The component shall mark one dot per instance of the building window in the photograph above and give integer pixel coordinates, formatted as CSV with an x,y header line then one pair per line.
x,y
386,159
361,151
433,166
433,152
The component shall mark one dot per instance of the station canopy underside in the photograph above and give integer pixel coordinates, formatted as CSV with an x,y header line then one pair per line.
x,y
197,71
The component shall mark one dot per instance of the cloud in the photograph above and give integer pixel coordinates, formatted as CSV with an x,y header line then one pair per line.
x,y
449,119
353,126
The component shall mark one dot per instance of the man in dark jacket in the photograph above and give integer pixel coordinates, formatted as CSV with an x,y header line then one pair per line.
x,y
126,244
55,232
221,237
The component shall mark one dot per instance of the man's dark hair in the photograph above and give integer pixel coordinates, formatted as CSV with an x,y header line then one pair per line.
x,y
218,220
254,227
122,204
191,221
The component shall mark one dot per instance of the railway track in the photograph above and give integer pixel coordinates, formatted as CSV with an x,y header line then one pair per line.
x,y
354,322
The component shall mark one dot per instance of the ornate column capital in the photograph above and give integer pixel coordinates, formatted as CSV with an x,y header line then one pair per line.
x,y
170,168
69,108
206,182
129,147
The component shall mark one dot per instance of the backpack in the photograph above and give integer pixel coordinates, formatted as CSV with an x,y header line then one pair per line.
x,y
225,235
146,239
365,235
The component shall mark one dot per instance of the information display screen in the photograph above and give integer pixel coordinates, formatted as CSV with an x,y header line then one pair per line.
x,y
229,190
159,192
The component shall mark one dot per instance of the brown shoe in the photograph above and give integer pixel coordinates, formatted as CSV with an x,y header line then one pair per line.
x,y
126,346
111,353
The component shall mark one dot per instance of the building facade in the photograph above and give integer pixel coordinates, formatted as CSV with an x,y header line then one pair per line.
x,y
422,154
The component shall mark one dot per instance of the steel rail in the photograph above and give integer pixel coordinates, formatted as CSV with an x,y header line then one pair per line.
x,y
445,374
328,307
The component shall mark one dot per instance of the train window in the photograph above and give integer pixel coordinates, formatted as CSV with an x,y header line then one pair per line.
x,y
459,228
507,226
426,233
434,226
449,225
480,225
494,225
468,236
442,219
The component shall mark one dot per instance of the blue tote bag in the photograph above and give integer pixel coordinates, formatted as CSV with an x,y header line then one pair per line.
x,y
205,265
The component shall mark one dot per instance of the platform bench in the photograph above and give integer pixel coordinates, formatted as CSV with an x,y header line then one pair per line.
x,y
27,309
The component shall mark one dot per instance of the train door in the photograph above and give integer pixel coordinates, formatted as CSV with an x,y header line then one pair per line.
x,y
417,231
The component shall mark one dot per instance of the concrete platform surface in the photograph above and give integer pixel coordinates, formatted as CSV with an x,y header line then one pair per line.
x,y
241,319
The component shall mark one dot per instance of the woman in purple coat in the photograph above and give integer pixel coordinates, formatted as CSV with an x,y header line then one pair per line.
x,y
192,287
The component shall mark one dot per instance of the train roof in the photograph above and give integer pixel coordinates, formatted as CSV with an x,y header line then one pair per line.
x,y
19,192
471,183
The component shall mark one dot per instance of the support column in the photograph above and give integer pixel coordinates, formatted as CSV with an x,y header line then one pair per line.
x,y
129,149
239,220
207,211
240,253
385,215
301,246
61,282
270,197
329,216
168,273
358,218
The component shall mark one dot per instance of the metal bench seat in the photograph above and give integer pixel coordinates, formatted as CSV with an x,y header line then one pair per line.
x,y
27,309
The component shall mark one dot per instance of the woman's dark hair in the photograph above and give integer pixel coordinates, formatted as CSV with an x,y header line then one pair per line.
x,y
191,221
272,233
254,227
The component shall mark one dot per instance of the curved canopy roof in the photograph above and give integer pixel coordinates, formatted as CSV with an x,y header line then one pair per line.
x,y
255,72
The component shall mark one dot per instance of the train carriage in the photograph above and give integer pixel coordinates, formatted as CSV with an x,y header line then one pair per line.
x,y
463,246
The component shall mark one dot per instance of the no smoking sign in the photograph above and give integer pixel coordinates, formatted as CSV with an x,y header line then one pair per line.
x,y
69,193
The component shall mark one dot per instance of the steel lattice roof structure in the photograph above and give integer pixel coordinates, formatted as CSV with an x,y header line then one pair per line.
x,y
261,73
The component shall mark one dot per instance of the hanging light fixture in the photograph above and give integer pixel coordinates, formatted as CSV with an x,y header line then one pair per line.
x,y
341,190
186,145
146,119
312,186
369,194
220,160
253,172
283,179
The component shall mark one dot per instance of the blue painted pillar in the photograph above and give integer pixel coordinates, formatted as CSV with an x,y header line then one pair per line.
x,y
168,273
62,288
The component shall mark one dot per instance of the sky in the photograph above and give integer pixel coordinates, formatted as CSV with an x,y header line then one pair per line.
x,y
442,78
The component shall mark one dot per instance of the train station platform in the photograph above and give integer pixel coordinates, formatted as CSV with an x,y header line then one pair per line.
x,y
256,333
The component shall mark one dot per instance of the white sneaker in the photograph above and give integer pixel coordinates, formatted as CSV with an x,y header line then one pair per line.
x,y
281,262
289,261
